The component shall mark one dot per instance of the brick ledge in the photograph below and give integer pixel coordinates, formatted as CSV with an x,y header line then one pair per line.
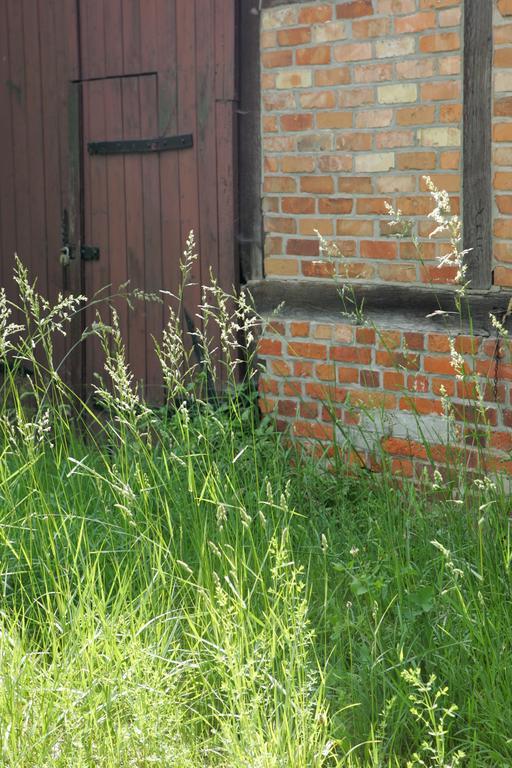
x,y
387,305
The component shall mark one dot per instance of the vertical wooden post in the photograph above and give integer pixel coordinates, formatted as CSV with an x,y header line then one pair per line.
x,y
477,139
249,142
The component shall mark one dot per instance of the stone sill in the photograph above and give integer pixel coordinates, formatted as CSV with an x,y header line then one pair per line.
x,y
389,305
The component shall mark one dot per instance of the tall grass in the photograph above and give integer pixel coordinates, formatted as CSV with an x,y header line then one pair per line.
x,y
180,588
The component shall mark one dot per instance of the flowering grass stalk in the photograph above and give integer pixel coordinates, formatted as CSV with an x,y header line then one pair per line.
x,y
177,591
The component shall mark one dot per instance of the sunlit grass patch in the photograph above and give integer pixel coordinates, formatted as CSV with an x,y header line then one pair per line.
x,y
179,588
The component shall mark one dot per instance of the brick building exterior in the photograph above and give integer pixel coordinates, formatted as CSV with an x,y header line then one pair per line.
x,y
360,100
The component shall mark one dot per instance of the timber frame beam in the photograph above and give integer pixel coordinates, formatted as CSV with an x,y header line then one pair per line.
x,y
250,226
477,142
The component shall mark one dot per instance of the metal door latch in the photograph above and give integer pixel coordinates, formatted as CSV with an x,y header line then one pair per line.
x,y
65,256
87,253
68,251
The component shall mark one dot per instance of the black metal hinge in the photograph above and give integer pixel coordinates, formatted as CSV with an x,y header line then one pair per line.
x,y
131,146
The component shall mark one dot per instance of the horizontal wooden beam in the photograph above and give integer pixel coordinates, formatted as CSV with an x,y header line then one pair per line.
x,y
402,307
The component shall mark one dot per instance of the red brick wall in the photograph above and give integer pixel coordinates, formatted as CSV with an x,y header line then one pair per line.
x,y
360,99
502,142
385,388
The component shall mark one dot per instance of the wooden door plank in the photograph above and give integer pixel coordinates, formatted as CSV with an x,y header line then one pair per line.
x,y
226,193
116,256
226,138
131,37
225,58
134,229
206,139
66,15
113,20
19,128
58,32
66,36
51,137
7,178
70,96
37,256
96,228
205,65
149,22
152,236
67,66
169,161
75,370
74,165
93,41
477,156
188,158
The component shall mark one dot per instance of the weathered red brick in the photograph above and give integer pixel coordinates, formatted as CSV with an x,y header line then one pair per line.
x,y
269,347
354,9
299,328
360,356
365,335
315,14
378,249
403,447
305,349
409,361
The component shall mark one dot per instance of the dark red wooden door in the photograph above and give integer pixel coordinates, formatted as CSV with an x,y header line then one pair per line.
x,y
122,214
95,71
38,61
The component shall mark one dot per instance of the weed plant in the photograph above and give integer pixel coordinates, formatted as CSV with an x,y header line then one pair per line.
x,y
181,588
